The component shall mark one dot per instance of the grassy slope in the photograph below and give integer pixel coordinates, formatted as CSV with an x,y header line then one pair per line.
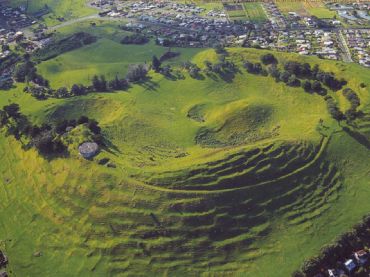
x,y
281,222
104,57
67,9
107,56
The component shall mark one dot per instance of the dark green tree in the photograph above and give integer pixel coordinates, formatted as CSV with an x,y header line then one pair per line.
x,y
156,64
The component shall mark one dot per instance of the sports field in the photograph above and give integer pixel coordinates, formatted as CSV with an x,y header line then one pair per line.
x,y
255,12
292,6
318,9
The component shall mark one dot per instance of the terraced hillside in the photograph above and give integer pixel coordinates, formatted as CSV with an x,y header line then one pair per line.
x,y
210,177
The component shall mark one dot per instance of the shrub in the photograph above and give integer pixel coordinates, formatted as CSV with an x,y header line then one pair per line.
x,y
268,59
135,39
136,72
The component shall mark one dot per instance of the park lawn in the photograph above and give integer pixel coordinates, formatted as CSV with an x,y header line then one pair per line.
x,y
209,6
255,12
292,6
321,12
319,9
91,220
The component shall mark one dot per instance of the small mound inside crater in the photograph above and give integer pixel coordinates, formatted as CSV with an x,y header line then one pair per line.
x,y
196,113
250,124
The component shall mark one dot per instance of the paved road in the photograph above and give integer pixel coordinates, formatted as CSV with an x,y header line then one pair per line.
x,y
77,20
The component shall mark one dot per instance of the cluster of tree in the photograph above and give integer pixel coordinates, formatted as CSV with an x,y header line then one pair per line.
x,y
268,59
289,79
169,55
6,83
221,67
26,72
314,86
135,39
19,126
156,64
333,109
306,72
166,42
193,69
341,249
300,70
165,70
293,73
255,68
9,61
100,84
330,81
39,92
353,98
62,126
320,23
136,72
45,138
42,93
63,45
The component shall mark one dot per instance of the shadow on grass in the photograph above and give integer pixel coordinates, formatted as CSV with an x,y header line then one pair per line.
x,y
148,84
360,138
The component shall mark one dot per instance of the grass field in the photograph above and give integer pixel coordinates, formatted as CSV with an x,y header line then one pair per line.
x,y
318,9
255,12
67,9
306,8
248,11
292,6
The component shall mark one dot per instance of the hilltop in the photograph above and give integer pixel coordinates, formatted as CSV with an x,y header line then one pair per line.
x,y
222,173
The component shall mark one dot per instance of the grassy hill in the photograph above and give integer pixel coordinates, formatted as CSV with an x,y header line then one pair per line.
x,y
264,188
67,9
107,56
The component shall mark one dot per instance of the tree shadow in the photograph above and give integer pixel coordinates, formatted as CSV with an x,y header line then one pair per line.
x,y
148,84
111,148
360,138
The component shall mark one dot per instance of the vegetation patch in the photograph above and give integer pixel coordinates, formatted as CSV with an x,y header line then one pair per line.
x,y
135,39
109,110
64,45
196,113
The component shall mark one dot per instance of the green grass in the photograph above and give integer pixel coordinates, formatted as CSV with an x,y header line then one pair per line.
x,y
255,12
292,6
247,209
107,56
67,9
104,57
318,9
